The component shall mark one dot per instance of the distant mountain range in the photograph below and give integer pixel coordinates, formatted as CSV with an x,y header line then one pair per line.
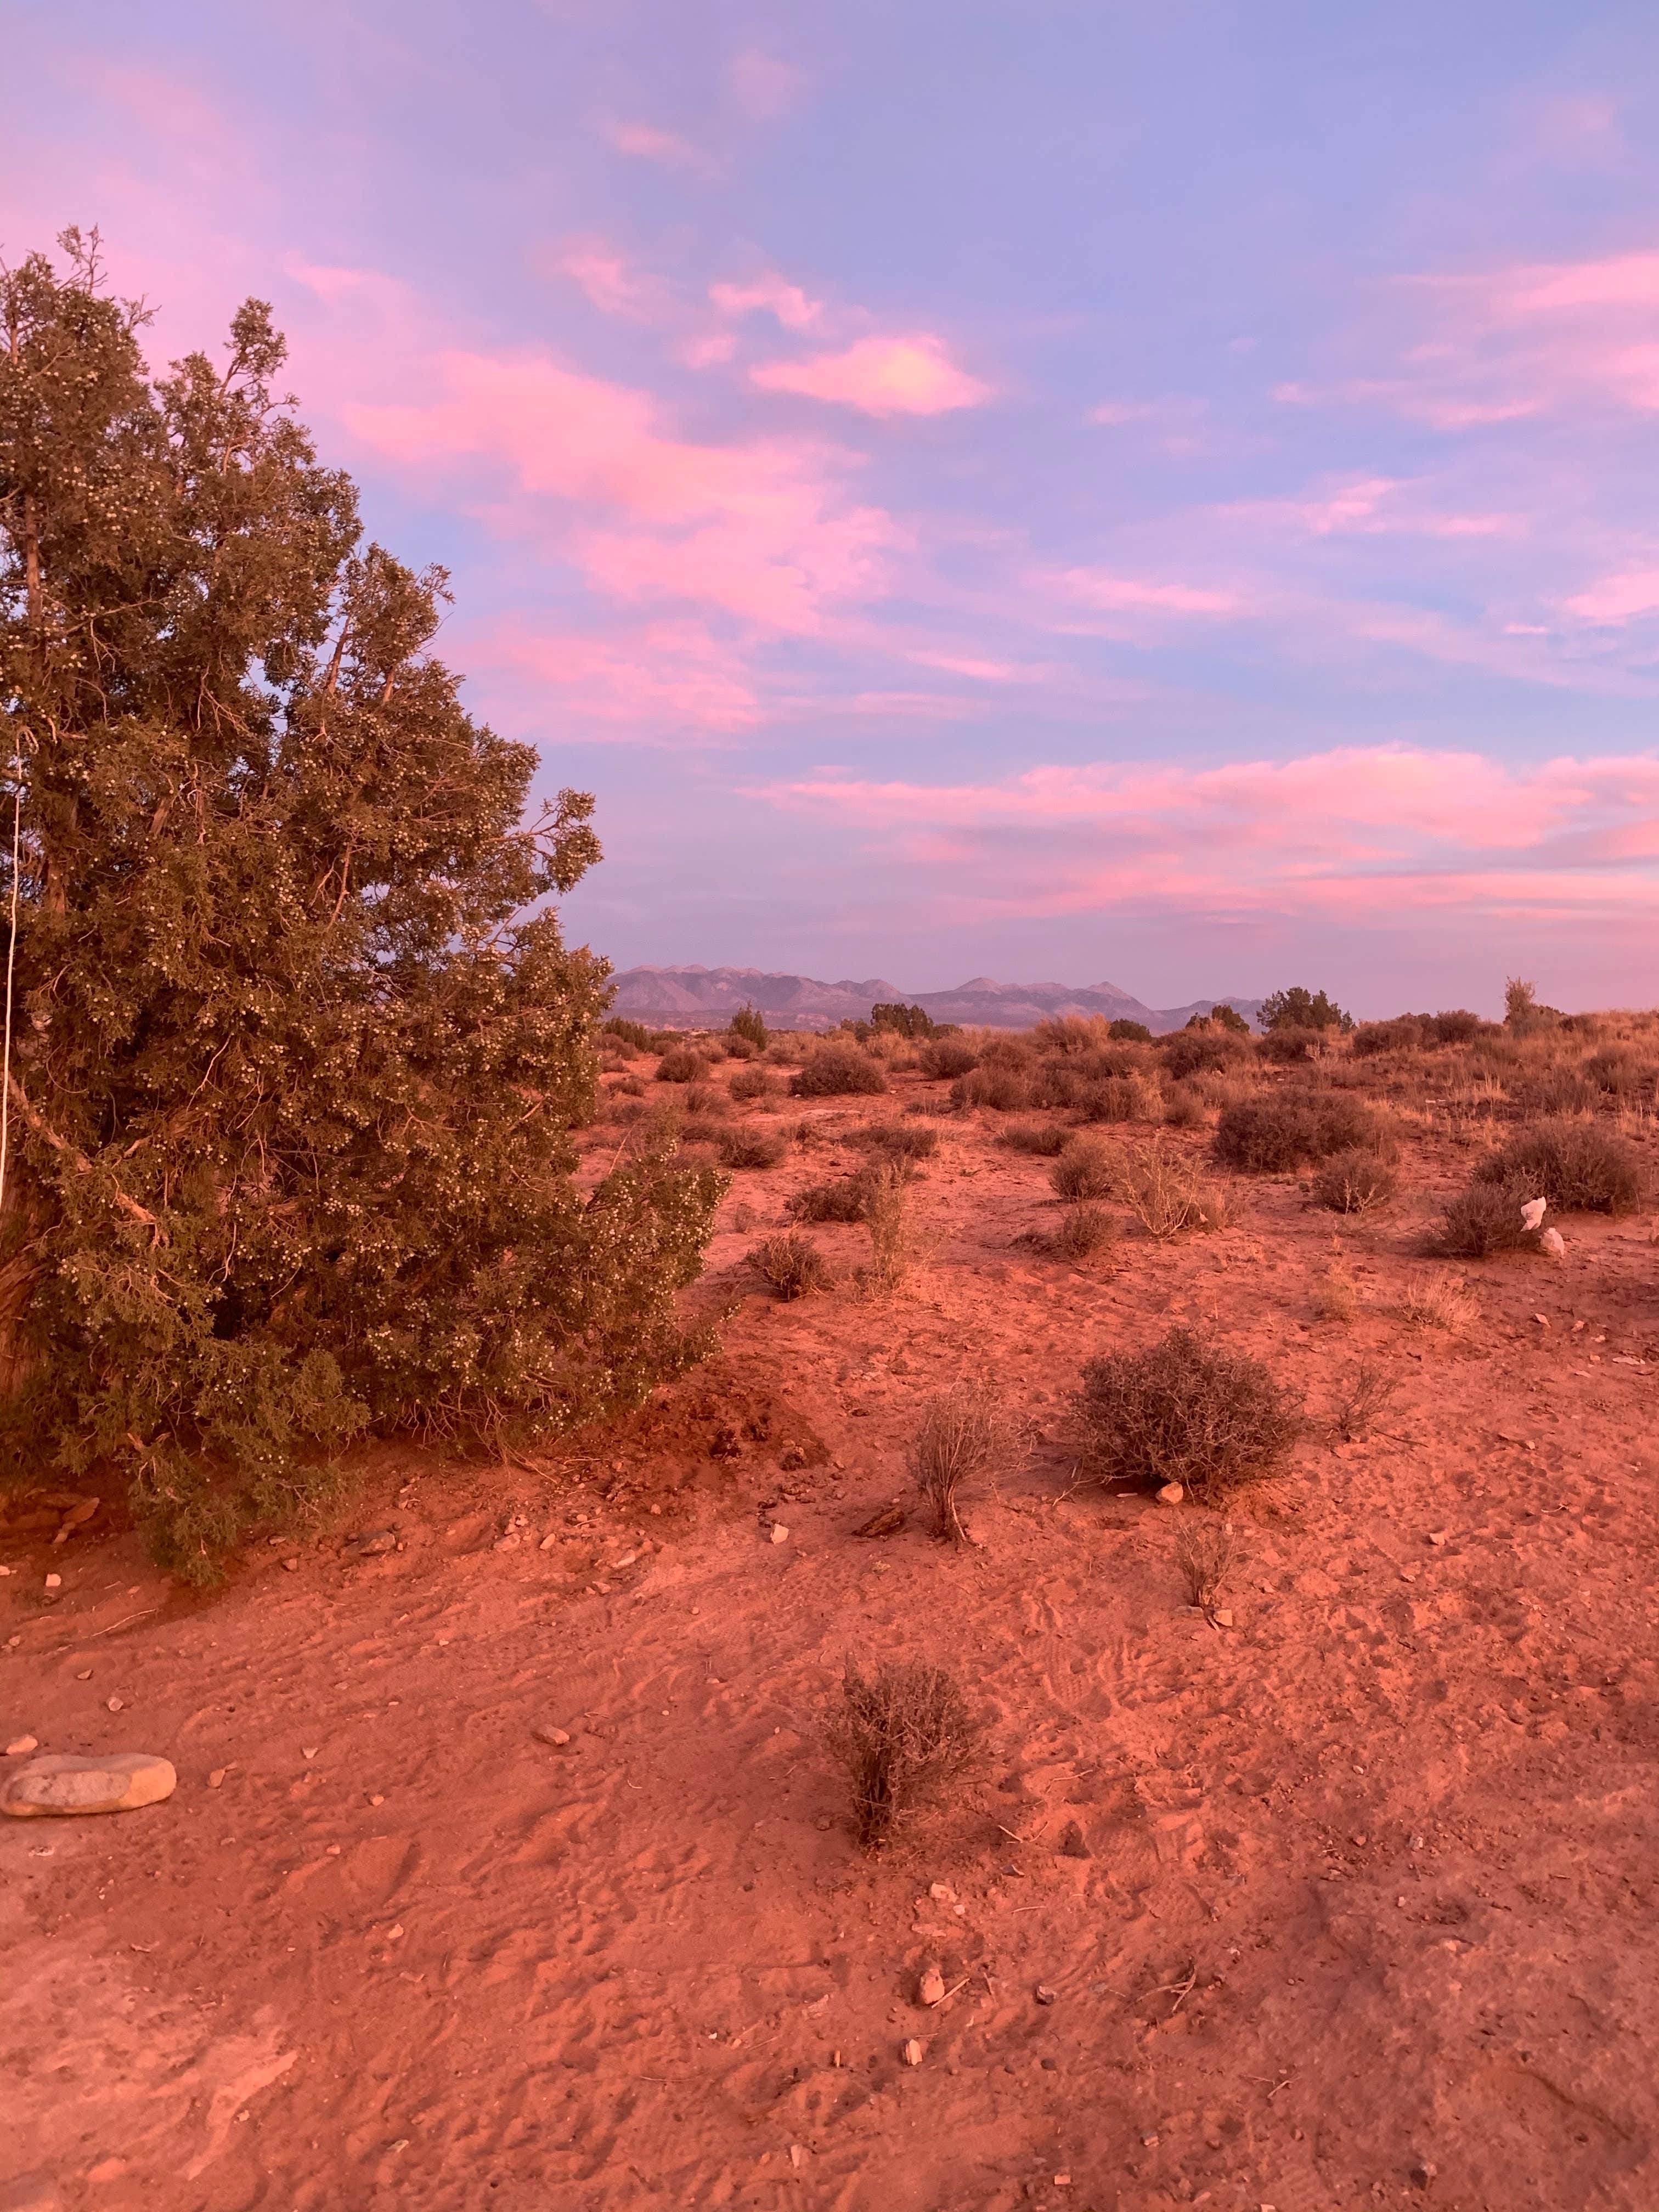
x,y
706,998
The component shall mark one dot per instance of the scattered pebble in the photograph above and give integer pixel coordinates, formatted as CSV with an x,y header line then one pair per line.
x,y
913,2052
1437,1535
930,1990
554,1735
780,1535
1554,1243
1044,1995
54,1581
1223,1617
115,1705
291,1565
1171,1494
217,1776
21,1745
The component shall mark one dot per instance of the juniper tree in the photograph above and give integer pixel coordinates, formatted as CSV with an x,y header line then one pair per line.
x,y
296,1044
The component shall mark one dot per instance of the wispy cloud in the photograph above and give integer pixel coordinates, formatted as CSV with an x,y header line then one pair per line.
x,y
879,376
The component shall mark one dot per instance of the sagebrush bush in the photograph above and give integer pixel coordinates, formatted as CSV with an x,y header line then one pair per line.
x,y
1162,1187
844,1199
1578,1168
836,1070
899,1139
945,1057
1485,1220
1083,1229
1047,1139
792,1263
1623,1074
905,1734
1284,1130
1129,1032
1086,1169
299,1046
1354,1182
1004,1090
1131,1098
892,1232
963,1435
1184,1410
1403,1033
633,1033
1285,1044
747,1147
1201,1052
751,1083
679,1064
1184,1108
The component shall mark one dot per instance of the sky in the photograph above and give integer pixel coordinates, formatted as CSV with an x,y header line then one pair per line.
x,y
1154,491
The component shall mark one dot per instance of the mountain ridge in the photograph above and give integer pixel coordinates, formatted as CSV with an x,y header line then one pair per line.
x,y
692,996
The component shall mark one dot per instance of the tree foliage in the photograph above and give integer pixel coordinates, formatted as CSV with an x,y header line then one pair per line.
x,y
297,1044
1301,1009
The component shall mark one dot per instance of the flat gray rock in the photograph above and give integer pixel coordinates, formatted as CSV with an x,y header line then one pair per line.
x,y
119,1781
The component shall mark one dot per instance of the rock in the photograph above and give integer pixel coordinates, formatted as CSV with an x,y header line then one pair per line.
x,y
54,1581
119,1781
1554,1243
1044,1995
371,1545
557,1736
1437,1536
1171,1494
215,1780
21,1745
1222,1618
778,1534
507,1543
913,2052
887,1523
115,1705
1422,2172
291,1566
552,1537
1073,1844
931,1989
1533,1213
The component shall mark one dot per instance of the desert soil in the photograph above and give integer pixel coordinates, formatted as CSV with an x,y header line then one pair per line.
x,y
1367,1916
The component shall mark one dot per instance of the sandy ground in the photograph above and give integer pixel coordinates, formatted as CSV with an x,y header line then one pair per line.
x,y
1367,1916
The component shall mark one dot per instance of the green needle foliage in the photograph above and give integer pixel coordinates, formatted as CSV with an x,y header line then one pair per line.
x,y
297,1044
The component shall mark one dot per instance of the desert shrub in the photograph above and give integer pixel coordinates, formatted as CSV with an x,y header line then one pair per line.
x,y
750,1083
1047,1139
1485,1219
1184,1107
709,1101
1404,1033
1360,1399
745,1147
629,1086
908,1021
1132,1098
634,1034
1300,1009
1228,1017
1620,1074
843,1200
892,1232
1578,1168
1067,1034
792,1263
905,1735
299,1045
749,1024
1006,1050
1206,1551
1453,1026
679,1064
1199,1052
1057,1082
945,1057
1286,1044
1288,1129
738,1048
1162,1187
1337,1297
1553,1092
1083,1229
834,1070
1003,1090
899,1139
1087,1168
1354,1183
963,1435
1128,1032
1184,1410
1442,1300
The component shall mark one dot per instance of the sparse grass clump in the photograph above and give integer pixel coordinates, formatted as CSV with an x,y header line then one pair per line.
x,y
1086,1168
1047,1139
792,1263
1163,1188
1485,1219
1084,1229
1337,1297
842,1200
964,1435
1288,1129
900,1140
1354,1183
1360,1399
746,1147
892,1232
834,1070
1442,1300
1579,1168
751,1083
905,1734
1206,1551
1184,1410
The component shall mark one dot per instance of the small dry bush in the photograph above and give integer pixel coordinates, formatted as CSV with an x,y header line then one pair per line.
x,y
843,1200
1047,1139
1354,1183
751,1148
1360,1399
1554,1091
892,1232
906,1736
964,1437
1622,1074
679,1064
945,1057
1185,1108
1289,1129
706,1099
1484,1220
900,1140
1162,1187
1084,1230
1206,1551
1202,1052
836,1070
1404,1033
1442,1300
1132,1098
1286,1045
1184,1410
792,1263
1337,1297
1579,1168
632,1036
1087,1168
1003,1090
751,1083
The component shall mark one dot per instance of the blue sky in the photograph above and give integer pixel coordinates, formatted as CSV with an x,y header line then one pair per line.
x,y
1158,492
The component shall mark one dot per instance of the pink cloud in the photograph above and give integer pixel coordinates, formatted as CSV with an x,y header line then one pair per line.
x,y
1620,599
770,295
1374,507
762,85
665,679
608,280
1342,834
762,530
648,144
1142,595
879,376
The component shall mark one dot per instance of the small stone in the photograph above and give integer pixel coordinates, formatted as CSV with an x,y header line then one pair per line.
x,y
1063,2181
1044,1995
115,1705
780,1535
372,1545
557,1736
119,1781
54,1581
377,1801
913,2052
1437,1535
507,1543
291,1566
941,1892
215,1780
21,1745
1222,1618
1171,1494
85,1675
1533,1213
1073,1844
310,1749
395,1932
1554,1244
797,2155
1542,1320
930,1990
548,1540
1422,2172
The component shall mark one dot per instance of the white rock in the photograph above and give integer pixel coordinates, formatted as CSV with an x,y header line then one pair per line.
x,y
779,1534
931,1989
1171,1494
119,1781
21,1745
913,2052
1554,1243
